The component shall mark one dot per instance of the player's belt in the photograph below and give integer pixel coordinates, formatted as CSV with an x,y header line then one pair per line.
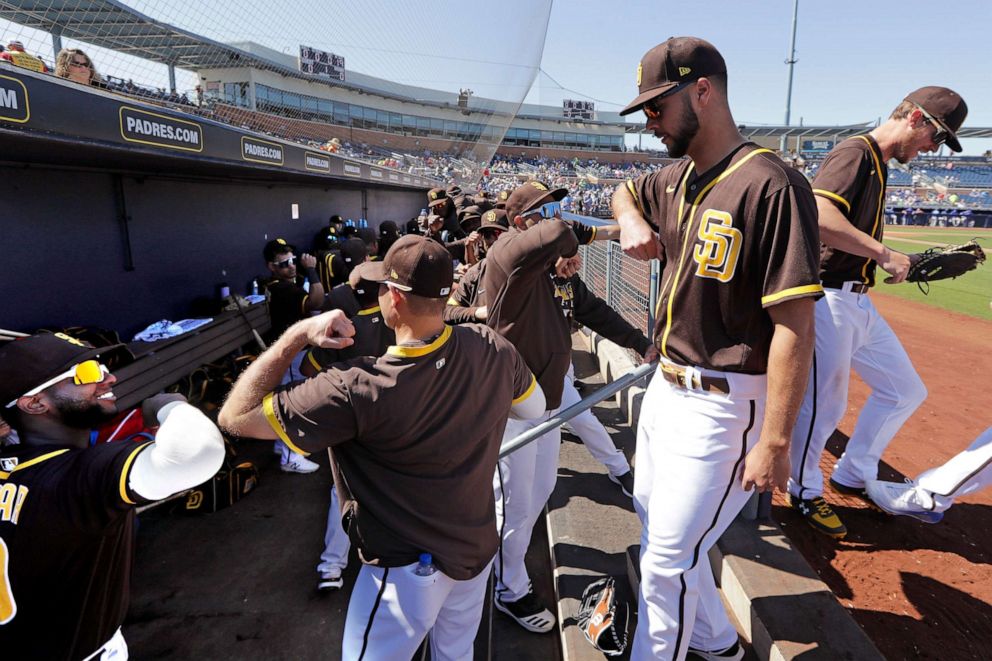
x,y
853,287
677,375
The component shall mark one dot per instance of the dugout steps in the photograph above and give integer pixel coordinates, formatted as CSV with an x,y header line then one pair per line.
x,y
780,604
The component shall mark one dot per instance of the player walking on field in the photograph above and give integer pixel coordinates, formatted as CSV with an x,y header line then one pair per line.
x,y
736,230
850,198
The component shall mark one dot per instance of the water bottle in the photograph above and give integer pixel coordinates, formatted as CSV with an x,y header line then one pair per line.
x,y
254,287
426,565
423,216
350,223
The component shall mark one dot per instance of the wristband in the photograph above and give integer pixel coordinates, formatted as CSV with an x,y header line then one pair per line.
x,y
312,276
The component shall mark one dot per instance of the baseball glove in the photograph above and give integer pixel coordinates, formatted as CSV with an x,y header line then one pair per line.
x,y
943,263
603,619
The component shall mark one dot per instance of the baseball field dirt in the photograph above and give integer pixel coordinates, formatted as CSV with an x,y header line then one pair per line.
x,y
920,591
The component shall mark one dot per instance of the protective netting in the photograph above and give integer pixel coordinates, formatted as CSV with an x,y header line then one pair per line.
x,y
404,84
622,281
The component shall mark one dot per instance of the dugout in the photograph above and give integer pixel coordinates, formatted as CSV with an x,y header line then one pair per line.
x,y
118,213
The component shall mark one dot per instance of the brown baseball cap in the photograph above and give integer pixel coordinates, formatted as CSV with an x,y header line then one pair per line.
x,y
469,218
354,252
494,219
946,107
276,247
530,195
436,196
417,265
678,60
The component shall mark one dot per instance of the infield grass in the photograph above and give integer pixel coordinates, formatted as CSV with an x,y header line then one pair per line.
x,y
969,294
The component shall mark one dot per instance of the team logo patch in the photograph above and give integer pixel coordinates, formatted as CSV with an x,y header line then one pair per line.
x,y
538,185
8,464
490,216
445,291
281,242
70,340
393,274
432,195
504,195
439,364
640,73
684,71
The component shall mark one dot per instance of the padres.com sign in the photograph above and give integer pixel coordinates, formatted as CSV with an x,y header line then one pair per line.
x,y
151,128
14,105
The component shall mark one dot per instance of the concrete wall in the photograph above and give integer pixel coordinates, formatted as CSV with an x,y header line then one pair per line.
x,y
65,257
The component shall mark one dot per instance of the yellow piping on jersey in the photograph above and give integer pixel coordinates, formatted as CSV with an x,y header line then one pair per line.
x,y
880,206
37,460
414,352
268,407
633,194
792,291
528,392
593,237
833,196
685,242
313,361
126,470
369,311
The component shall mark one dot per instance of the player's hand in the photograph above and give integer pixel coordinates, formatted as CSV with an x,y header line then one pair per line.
x,y
896,264
566,267
330,330
650,355
766,468
638,240
482,313
308,261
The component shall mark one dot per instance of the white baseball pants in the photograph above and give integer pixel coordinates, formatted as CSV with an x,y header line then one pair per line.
x,y
522,485
965,473
591,431
851,333
691,447
336,543
392,610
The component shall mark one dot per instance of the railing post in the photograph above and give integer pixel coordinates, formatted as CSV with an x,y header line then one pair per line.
x,y
653,294
609,273
585,263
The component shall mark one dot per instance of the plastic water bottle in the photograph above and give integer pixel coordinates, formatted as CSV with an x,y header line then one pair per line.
x,y
350,223
423,216
254,287
426,565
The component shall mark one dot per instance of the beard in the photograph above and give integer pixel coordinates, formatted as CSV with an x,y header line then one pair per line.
x,y
687,130
82,415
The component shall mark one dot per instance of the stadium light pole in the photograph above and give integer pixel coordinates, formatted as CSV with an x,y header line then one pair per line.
x,y
791,61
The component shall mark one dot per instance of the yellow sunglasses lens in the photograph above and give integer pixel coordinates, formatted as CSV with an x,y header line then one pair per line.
x,y
90,371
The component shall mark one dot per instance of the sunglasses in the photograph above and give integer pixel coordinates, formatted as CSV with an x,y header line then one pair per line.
x,y
549,210
652,110
85,65
939,132
286,263
84,373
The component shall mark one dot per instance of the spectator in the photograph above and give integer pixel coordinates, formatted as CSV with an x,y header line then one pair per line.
x,y
74,64
15,55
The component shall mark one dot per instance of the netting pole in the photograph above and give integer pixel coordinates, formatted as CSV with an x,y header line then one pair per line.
x,y
609,273
172,78
585,264
653,293
56,44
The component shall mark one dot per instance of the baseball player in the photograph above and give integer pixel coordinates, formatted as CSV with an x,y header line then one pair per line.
x,y
850,198
413,480
736,228
932,492
521,306
67,510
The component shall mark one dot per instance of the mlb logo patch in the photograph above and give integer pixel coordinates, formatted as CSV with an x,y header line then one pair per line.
x,y
8,464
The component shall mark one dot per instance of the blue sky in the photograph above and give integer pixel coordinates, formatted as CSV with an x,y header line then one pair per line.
x,y
856,60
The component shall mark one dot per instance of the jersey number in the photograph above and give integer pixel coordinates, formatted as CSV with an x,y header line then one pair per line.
x,y
8,609
716,256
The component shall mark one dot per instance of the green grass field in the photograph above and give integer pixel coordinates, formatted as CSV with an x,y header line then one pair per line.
x,y
970,294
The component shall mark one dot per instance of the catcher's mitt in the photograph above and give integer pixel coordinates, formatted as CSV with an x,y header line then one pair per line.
x,y
943,263
603,619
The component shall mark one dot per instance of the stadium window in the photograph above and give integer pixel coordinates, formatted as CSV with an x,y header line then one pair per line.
x,y
558,139
395,121
341,114
423,126
291,100
261,93
437,127
409,123
534,138
450,128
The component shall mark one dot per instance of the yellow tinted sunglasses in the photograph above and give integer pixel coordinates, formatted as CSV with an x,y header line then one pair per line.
x,y
84,373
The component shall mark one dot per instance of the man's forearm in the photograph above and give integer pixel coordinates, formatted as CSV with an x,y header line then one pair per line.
x,y
625,207
837,232
261,378
789,360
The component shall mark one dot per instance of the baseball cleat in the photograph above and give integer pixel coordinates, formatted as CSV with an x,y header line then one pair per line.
x,y
330,582
298,464
626,482
857,492
733,653
819,515
905,499
528,613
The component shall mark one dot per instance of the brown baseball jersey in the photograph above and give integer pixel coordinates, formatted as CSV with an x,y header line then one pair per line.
x,y
462,303
521,300
416,436
372,338
738,239
66,544
343,298
287,303
853,178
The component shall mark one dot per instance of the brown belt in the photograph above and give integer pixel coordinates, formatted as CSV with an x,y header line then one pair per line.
x,y
675,374
856,287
